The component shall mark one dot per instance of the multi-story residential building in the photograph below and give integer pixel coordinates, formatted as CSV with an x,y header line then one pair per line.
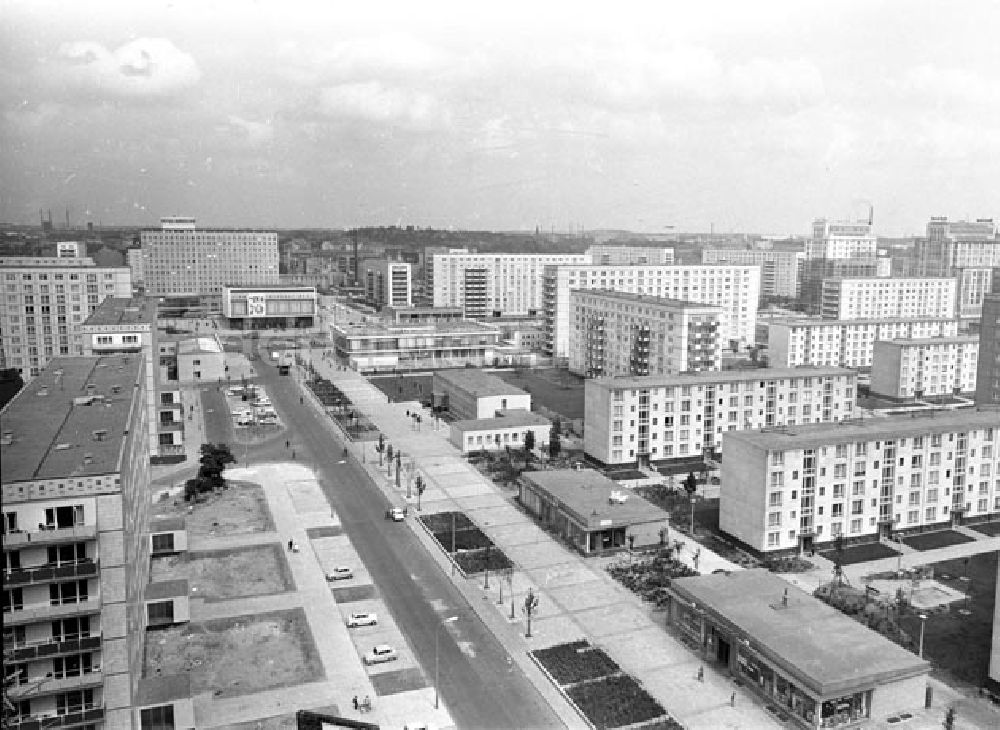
x,y
813,272
43,303
388,284
841,240
919,368
843,343
735,289
795,487
489,284
988,372
885,298
951,245
182,261
614,333
779,270
610,255
660,417
133,259
75,474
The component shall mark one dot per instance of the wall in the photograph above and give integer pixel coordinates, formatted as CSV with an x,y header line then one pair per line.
x,y
742,507
904,694
460,438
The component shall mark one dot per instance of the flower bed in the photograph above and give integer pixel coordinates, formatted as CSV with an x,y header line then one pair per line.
x,y
476,561
615,702
576,661
442,521
649,577
469,539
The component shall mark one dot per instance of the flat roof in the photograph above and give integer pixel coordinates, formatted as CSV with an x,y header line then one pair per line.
x,y
828,651
510,418
586,494
304,289
121,310
426,326
810,321
950,340
868,429
715,376
645,299
477,382
51,435
194,345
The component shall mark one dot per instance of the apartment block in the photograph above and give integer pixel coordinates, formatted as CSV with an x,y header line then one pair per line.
x,y
734,289
610,255
75,473
951,245
918,368
841,240
630,420
843,343
988,372
44,302
182,261
613,333
493,284
133,259
388,284
889,298
813,272
797,487
779,270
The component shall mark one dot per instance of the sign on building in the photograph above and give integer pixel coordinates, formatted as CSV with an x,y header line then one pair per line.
x,y
256,305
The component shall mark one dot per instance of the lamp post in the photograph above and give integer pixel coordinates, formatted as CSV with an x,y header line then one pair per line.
x,y
437,656
923,619
692,516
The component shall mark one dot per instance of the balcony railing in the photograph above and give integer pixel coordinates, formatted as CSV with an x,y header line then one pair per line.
x,y
45,611
35,687
49,536
49,573
91,716
52,647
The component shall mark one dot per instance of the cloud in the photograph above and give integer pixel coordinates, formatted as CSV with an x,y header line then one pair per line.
x,y
374,102
248,132
930,84
142,68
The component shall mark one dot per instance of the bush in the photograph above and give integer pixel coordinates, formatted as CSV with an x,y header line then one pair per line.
x,y
168,459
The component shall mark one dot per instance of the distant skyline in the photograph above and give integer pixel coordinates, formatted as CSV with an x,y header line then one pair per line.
x,y
653,117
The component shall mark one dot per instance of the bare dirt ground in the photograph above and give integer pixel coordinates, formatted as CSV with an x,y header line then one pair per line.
x,y
238,510
236,656
218,576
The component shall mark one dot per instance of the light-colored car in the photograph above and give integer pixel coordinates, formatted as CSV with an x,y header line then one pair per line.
x,y
381,653
341,572
361,619
397,514
245,421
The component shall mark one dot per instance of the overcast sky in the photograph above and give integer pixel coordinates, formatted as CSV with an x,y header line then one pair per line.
x,y
750,115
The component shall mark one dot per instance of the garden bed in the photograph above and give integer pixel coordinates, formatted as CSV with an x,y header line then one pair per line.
x,y
650,577
788,564
575,662
987,528
473,552
861,553
618,701
478,561
934,540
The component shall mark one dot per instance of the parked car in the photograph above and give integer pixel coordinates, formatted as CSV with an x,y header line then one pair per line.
x,y
381,653
361,619
244,421
341,572
397,514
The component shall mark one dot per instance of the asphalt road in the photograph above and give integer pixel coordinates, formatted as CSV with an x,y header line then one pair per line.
x,y
478,683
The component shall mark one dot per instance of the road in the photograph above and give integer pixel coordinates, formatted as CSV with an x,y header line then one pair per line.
x,y
479,685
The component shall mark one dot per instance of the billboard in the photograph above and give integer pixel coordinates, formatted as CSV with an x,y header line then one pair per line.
x,y
256,305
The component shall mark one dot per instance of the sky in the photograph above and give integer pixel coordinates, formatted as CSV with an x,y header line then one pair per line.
x,y
743,116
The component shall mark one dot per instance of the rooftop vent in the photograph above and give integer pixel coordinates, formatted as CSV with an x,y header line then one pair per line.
x,y
116,389
84,400
617,497
42,391
91,387
6,438
63,447
88,458
100,435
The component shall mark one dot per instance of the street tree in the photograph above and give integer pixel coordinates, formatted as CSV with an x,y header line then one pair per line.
x,y
555,446
690,484
421,486
529,444
530,605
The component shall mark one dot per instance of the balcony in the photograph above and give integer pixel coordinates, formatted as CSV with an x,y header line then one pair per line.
x,y
51,648
40,686
46,612
49,573
49,535
94,715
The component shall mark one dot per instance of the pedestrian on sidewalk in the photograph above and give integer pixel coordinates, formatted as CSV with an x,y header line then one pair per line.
x,y
355,701
701,674
732,700
293,453
287,444
289,545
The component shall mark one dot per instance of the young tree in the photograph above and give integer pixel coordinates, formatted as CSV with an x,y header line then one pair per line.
x,y
691,484
554,445
214,458
838,559
529,444
421,486
530,604
557,427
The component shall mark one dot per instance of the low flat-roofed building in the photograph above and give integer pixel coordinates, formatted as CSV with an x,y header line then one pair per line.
x,y
267,307
469,394
508,428
201,359
819,666
591,511
930,366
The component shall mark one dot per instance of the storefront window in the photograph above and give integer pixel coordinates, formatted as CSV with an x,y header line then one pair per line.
x,y
844,710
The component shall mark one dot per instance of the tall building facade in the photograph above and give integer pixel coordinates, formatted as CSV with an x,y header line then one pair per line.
x,y
779,270
841,240
795,342
951,245
44,302
180,260
488,284
388,284
734,289
613,333
813,272
885,298
660,417
920,368
988,372
794,488
75,475
609,255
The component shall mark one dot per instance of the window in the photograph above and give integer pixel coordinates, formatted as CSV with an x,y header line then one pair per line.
x,y
66,516
857,506
773,538
930,514
164,543
77,701
157,718
855,526
160,612
69,592
774,519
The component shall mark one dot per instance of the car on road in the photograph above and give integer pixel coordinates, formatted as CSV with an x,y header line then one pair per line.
x,y
361,619
381,653
341,572
396,514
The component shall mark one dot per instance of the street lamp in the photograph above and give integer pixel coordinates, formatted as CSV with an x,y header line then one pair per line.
x,y
692,516
437,656
923,618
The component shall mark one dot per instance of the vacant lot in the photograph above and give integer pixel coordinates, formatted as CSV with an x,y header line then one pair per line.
x,y
556,390
222,575
239,655
933,540
238,510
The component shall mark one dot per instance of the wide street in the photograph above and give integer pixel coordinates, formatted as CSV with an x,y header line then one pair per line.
x,y
479,684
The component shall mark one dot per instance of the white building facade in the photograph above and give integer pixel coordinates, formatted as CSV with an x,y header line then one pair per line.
x,y
889,298
630,420
262,307
734,289
388,284
841,240
608,255
779,270
613,333
794,488
843,343
907,369
485,284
